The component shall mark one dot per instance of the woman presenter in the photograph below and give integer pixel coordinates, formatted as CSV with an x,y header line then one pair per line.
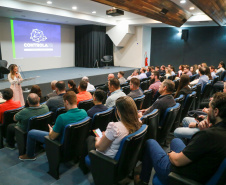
x,y
15,79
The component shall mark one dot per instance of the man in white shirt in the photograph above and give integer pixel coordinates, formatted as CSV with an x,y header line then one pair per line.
x,y
142,73
135,74
90,87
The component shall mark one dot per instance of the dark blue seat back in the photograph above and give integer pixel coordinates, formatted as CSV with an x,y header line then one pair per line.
x,y
167,122
73,138
223,76
101,119
152,120
125,84
139,101
41,122
60,111
129,150
179,100
8,118
189,100
144,85
126,89
86,105
207,88
148,99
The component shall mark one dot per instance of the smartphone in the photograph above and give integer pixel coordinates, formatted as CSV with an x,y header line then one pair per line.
x,y
98,133
196,116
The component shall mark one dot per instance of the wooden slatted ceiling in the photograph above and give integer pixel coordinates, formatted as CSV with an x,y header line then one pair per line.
x,y
215,9
151,9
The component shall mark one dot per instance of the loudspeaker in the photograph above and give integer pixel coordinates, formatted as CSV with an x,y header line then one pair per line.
x,y
184,35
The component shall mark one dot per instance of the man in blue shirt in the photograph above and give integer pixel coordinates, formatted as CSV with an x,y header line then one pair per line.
x,y
99,98
203,79
72,115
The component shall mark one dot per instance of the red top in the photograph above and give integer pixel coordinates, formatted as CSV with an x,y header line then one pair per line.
x,y
84,95
8,105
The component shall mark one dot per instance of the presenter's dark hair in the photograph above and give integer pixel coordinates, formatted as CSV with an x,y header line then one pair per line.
x,y
60,85
115,82
7,94
37,90
100,95
71,97
83,85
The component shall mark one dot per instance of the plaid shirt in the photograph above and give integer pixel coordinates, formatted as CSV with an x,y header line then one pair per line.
x,y
155,87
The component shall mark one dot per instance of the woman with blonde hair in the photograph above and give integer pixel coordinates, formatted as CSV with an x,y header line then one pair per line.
x,y
15,79
128,123
168,72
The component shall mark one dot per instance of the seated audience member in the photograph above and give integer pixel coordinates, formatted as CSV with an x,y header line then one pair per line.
x,y
135,74
164,101
181,69
135,88
204,65
72,115
72,86
193,72
168,72
198,160
195,68
186,71
221,67
152,68
52,94
110,76
190,124
155,82
172,70
83,94
22,117
121,78
7,94
114,88
157,68
203,79
90,87
37,90
142,73
212,71
99,97
207,73
183,87
109,143
57,101
162,71
148,73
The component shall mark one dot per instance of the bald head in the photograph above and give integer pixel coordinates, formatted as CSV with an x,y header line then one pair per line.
x,y
110,76
33,99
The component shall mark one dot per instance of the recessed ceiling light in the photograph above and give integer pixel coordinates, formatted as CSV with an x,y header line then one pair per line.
x,y
182,1
94,12
49,2
74,7
192,8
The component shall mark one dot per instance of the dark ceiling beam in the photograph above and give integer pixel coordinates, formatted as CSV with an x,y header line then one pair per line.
x,y
215,9
164,11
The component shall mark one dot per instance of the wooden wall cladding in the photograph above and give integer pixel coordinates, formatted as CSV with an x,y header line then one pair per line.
x,y
215,9
176,16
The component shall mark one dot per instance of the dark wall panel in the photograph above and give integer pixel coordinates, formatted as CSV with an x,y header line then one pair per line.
x,y
204,44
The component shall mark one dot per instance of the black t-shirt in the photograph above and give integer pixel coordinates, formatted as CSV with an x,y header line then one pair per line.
x,y
206,150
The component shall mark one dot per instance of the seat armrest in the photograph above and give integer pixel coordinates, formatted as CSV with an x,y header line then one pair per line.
x,y
53,153
19,130
103,168
176,179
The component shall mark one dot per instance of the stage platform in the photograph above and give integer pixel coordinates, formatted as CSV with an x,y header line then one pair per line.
x,y
44,77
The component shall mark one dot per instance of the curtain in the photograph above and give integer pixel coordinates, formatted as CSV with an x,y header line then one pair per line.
x,y
91,44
